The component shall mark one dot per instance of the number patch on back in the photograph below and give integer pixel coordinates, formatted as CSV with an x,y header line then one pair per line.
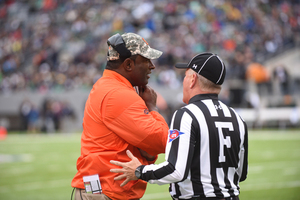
x,y
223,141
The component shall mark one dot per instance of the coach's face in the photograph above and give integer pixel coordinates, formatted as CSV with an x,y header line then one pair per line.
x,y
141,71
187,83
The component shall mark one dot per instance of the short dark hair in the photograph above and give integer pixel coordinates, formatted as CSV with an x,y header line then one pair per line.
x,y
113,64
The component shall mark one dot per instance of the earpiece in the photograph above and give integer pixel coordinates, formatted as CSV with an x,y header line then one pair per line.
x,y
117,42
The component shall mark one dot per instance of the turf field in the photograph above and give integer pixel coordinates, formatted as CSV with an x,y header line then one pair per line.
x,y
40,167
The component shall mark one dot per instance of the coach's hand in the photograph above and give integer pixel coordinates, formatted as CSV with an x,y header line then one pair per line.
x,y
128,170
149,96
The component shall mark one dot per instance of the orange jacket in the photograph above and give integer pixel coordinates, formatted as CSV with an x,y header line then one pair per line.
x,y
116,119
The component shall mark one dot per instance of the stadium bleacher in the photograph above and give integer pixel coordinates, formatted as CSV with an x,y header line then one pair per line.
x,y
55,50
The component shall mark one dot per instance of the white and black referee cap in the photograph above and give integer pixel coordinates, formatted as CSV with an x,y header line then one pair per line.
x,y
209,65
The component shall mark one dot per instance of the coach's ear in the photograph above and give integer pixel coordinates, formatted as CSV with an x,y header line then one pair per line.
x,y
128,64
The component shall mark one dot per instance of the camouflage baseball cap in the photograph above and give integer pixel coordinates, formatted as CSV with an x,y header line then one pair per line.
x,y
136,45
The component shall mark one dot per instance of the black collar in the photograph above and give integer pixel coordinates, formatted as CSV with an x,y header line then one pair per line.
x,y
200,97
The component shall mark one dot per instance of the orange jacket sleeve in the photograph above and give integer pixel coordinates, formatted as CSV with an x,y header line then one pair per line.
x,y
130,119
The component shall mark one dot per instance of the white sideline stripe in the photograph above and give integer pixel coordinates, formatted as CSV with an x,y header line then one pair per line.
x,y
10,158
39,138
273,136
274,165
266,186
36,185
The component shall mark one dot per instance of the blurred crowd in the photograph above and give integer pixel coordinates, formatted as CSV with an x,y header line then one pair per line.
x,y
47,119
61,44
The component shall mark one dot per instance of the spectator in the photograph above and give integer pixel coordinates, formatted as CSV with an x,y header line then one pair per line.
x,y
281,75
33,120
25,109
258,74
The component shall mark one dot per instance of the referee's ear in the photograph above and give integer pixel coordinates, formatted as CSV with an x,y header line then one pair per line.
x,y
194,80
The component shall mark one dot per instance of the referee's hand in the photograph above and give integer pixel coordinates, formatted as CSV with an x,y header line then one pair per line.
x,y
128,170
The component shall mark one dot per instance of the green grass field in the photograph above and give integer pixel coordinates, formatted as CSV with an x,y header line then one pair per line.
x,y
41,167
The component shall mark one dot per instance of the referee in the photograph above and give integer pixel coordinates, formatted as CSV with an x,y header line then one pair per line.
x,y
207,148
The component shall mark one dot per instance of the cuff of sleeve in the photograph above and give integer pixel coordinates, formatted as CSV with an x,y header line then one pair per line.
x,y
142,168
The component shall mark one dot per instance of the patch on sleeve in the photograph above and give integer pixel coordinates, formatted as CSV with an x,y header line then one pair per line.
x,y
173,134
146,111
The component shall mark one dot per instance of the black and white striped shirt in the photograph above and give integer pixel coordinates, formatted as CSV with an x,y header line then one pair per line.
x,y
206,153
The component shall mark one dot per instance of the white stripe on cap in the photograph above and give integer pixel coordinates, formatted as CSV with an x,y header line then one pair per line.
x,y
205,63
192,59
222,68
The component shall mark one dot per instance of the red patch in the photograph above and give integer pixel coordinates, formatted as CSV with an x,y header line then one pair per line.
x,y
173,134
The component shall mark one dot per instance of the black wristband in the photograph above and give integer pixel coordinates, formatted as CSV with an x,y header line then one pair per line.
x,y
138,171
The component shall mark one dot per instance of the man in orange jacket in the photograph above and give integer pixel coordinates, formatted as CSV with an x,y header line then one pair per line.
x,y
117,118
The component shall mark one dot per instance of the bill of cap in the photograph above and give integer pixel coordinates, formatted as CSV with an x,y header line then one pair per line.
x,y
151,53
138,45
181,65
